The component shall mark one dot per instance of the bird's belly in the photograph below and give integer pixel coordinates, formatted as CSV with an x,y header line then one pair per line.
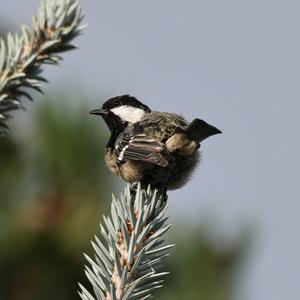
x,y
176,175
131,171
172,177
183,170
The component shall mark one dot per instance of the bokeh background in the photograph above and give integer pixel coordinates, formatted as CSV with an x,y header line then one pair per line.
x,y
236,224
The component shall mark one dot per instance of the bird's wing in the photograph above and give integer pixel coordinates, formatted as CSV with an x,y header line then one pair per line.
x,y
140,147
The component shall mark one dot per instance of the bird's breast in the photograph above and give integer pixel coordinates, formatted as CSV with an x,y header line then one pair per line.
x,y
111,161
130,171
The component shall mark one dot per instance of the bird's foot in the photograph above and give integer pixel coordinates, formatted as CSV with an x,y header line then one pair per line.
x,y
133,187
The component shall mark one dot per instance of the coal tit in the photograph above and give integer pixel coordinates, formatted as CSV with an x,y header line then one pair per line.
x,y
156,148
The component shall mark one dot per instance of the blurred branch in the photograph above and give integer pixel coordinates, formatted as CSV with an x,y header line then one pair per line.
x,y
21,55
130,251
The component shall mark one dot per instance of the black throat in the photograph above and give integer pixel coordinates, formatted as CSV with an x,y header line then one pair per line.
x,y
116,126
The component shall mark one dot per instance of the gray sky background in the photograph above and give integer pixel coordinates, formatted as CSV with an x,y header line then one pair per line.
x,y
236,64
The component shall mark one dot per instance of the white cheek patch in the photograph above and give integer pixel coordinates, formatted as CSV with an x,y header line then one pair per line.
x,y
129,113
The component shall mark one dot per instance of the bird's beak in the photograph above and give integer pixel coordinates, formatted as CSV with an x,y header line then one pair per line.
x,y
99,111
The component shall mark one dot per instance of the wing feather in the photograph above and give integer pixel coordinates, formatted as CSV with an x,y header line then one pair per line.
x,y
141,147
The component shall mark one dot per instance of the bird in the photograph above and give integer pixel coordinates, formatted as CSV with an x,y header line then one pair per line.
x,y
159,149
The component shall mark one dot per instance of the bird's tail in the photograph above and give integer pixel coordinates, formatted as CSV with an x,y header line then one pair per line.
x,y
198,130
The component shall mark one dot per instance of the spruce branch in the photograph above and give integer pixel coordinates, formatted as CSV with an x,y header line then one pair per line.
x,y
22,55
130,252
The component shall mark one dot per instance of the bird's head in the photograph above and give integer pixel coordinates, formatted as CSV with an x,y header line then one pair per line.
x,y
124,109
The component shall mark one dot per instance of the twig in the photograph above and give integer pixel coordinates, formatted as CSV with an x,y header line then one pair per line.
x,y
21,55
130,251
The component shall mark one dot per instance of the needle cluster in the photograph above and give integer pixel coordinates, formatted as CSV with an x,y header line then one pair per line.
x,y
22,55
129,253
